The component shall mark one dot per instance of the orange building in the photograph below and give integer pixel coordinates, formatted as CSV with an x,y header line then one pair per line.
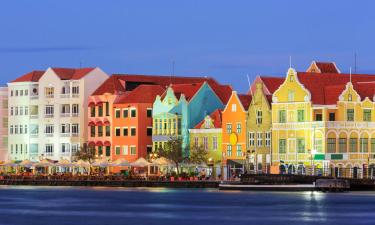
x,y
234,133
132,123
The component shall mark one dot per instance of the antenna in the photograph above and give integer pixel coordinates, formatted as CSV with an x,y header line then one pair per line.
x,y
248,80
170,77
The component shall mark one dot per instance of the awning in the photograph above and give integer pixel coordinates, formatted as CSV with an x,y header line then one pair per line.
x,y
99,143
107,143
91,104
91,123
91,143
106,122
99,123
99,103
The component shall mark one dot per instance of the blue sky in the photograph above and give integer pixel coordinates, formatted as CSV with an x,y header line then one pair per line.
x,y
223,39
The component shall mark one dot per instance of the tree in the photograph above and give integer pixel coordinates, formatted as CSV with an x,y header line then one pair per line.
x,y
173,151
85,153
198,155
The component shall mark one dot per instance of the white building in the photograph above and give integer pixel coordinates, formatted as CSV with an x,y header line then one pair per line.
x,y
3,123
48,112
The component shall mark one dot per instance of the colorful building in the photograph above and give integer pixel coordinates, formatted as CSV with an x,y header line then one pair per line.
x,y
3,123
101,105
234,121
132,123
47,116
259,123
208,134
324,120
182,107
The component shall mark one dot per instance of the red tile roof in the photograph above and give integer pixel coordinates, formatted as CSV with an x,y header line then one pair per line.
x,y
71,74
188,90
223,92
327,67
216,119
272,83
33,76
141,94
245,100
118,83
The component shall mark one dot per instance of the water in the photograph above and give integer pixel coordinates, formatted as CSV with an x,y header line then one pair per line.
x,y
58,205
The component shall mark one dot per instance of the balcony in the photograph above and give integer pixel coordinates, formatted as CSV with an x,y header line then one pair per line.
x,y
298,125
65,135
49,96
65,115
75,95
350,124
75,114
48,116
35,116
75,134
34,97
65,95
49,134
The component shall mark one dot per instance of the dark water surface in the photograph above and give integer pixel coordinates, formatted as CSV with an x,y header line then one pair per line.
x,y
111,206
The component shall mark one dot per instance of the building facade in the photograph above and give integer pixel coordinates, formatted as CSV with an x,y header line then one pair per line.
x,y
47,116
3,123
208,134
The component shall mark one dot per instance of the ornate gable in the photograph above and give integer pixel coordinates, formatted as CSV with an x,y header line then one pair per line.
x,y
349,94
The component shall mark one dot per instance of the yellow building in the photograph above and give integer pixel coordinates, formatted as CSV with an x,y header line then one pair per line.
x,y
259,122
324,120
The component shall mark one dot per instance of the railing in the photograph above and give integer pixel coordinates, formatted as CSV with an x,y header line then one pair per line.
x,y
320,124
34,116
65,115
75,95
298,125
65,134
49,96
75,114
66,95
75,134
33,97
48,115
49,134
350,124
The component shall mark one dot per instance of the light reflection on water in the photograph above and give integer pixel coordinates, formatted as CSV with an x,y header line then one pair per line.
x,y
103,205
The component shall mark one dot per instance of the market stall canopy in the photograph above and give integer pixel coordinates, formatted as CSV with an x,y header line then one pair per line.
x,y
81,163
9,163
64,163
101,163
162,161
27,163
141,162
44,163
120,162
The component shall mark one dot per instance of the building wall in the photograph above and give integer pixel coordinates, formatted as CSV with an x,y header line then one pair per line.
x,y
140,140
3,123
232,115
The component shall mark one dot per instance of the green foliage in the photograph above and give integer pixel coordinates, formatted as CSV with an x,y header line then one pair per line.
x,y
198,155
173,151
85,153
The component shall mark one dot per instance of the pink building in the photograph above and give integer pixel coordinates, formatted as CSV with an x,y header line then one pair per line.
x,y
3,123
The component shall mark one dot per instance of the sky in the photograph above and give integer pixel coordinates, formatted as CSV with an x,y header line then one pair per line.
x,y
223,39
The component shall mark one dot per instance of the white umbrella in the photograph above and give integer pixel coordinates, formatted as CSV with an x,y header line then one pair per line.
x,y
101,163
64,163
162,161
141,162
81,163
10,163
44,163
27,163
120,162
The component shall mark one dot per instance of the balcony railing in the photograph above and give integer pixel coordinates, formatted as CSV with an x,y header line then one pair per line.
x,y
75,95
66,95
34,116
65,115
75,114
49,96
32,97
65,134
75,134
48,115
49,134
350,124
327,124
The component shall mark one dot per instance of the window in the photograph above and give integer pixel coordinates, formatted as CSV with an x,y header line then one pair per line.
x,y
132,131
75,90
149,149
229,128
238,128
342,145
229,150
125,113
239,150
301,115
117,150
133,112
15,129
260,139
34,129
49,110
117,132
282,116
49,92
21,110
125,150
268,139
251,139
11,93
291,95
318,117
49,129
331,145
149,113
332,117
92,131
149,131
21,92
353,145
92,111
75,129
125,131
205,143
301,145
107,150
11,111
49,149
16,111
100,110
350,114
65,128
133,150
100,150
282,146
196,141
107,108
100,131
26,92
117,113
75,109
318,146
65,148
350,97
372,145
34,149
16,92
107,131
363,145
234,107
75,148
367,115
26,110
214,143
259,118
21,129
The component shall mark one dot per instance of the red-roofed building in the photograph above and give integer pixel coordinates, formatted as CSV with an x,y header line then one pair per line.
x,y
132,123
323,67
48,113
207,134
